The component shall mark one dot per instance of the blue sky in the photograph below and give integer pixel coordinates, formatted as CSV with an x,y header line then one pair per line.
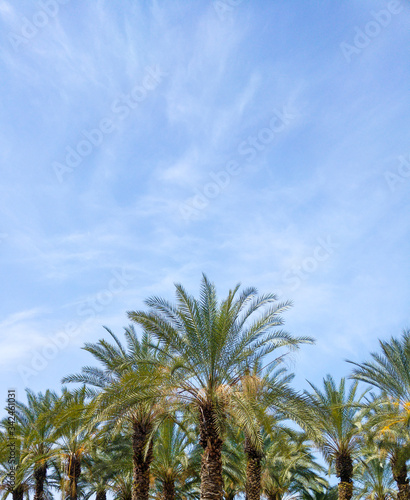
x,y
143,143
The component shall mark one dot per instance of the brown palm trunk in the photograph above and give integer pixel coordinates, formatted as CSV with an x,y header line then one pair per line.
x,y
344,471
142,458
211,460
253,485
169,490
399,469
101,495
18,492
345,490
74,472
40,474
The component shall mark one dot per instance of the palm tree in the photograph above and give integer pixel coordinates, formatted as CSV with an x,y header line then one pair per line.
x,y
336,433
271,399
290,466
72,439
376,480
15,477
110,467
38,431
171,467
233,465
97,474
122,487
384,430
124,367
390,372
211,345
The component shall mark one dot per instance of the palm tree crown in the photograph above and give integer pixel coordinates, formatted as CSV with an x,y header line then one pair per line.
x,y
390,372
336,431
211,345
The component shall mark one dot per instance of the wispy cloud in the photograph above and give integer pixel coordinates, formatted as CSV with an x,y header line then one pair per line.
x,y
322,176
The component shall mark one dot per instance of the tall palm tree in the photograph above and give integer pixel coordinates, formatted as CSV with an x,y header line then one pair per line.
x,y
290,467
233,465
15,478
110,467
38,435
132,365
384,430
390,372
211,344
271,399
122,487
171,467
73,441
375,480
97,474
336,432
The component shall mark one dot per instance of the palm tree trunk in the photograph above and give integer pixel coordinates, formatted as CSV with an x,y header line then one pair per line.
x,y
253,485
18,492
345,490
211,461
344,471
399,469
142,458
101,495
169,490
74,472
40,474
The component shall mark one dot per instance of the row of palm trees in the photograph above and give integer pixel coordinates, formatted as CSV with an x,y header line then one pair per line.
x,y
198,404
